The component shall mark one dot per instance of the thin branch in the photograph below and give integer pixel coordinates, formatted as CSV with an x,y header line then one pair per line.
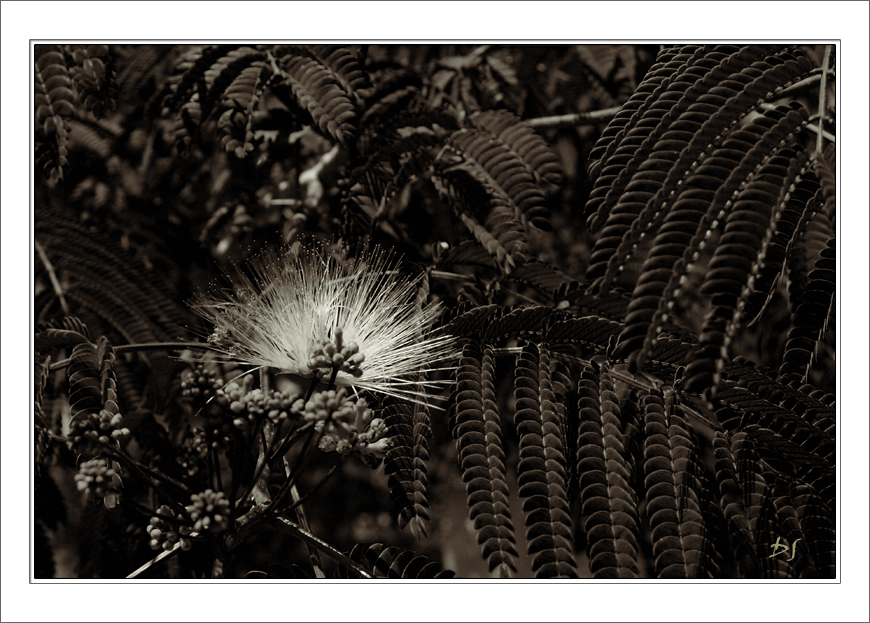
x,y
322,481
288,526
52,276
823,93
148,346
810,126
580,118
440,274
160,557
803,85
143,471
313,553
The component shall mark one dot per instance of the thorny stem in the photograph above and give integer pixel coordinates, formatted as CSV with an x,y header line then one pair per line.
x,y
288,526
52,276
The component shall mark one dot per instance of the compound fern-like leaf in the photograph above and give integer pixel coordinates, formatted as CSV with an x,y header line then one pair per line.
x,y
325,80
748,506
609,503
812,314
93,76
391,562
737,263
707,197
674,493
476,427
54,100
530,147
500,170
405,467
235,125
542,471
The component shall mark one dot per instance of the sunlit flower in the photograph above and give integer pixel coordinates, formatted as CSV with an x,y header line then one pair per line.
x,y
354,321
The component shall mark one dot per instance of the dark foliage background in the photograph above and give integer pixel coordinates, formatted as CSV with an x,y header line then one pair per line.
x,y
162,165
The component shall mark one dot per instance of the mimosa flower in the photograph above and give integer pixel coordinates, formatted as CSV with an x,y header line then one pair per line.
x,y
307,313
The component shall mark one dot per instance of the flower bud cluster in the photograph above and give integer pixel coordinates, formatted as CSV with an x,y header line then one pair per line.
x,y
209,511
192,451
97,478
88,429
333,353
201,384
220,428
251,406
345,425
165,530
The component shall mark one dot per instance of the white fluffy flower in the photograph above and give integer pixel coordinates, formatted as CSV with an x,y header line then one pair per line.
x,y
307,313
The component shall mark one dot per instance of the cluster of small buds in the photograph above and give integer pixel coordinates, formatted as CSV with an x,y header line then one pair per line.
x,y
193,449
97,477
333,404
346,425
201,384
209,511
373,440
104,429
165,532
250,406
335,354
223,425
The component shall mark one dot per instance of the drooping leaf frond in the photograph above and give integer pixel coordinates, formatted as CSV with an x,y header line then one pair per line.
x,y
391,562
55,105
675,493
543,468
405,463
325,80
476,426
609,502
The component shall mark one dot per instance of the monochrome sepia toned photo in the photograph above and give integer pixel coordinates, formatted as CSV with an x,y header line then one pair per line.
x,y
434,311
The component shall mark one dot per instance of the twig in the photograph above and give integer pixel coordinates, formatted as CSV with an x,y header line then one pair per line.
x,y
313,553
802,85
823,92
288,526
143,471
160,557
146,346
580,118
291,438
53,278
323,480
810,126
440,274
